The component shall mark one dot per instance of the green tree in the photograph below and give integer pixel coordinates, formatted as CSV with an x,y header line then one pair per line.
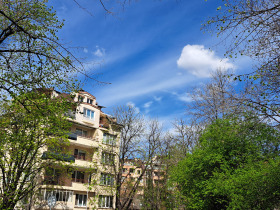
x,y
25,134
235,166
31,55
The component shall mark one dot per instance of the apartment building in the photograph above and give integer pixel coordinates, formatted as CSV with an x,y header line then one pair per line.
x,y
132,170
91,160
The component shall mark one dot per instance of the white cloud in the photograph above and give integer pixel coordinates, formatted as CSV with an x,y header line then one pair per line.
x,y
130,103
100,52
201,62
185,97
143,81
158,99
148,104
85,50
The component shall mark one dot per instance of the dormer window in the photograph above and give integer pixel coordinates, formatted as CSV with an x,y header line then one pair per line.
x,y
80,98
89,101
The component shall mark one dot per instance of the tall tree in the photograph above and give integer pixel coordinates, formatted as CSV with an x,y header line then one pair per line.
x,y
253,29
233,166
139,140
31,55
216,99
25,135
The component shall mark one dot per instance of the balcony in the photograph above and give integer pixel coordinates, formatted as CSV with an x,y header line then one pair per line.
x,y
72,136
82,140
80,157
79,180
58,156
70,114
51,180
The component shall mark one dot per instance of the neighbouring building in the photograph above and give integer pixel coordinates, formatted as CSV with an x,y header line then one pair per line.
x,y
93,148
132,170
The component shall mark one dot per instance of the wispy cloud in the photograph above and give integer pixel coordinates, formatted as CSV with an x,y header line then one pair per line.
x,y
99,52
148,104
201,62
158,99
185,97
154,77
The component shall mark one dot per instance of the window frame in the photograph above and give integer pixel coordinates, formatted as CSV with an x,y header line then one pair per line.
x,y
109,139
107,158
81,132
83,200
79,154
89,101
91,115
76,175
107,179
105,201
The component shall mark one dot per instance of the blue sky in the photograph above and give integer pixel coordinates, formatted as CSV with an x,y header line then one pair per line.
x,y
152,52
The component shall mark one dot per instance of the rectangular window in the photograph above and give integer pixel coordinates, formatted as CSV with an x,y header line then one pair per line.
x,y
89,114
89,101
81,132
80,99
107,179
79,154
109,139
81,200
78,176
52,176
105,201
107,158
61,195
138,171
131,170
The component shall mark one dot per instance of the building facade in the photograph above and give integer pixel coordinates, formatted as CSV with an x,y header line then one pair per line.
x,y
87,181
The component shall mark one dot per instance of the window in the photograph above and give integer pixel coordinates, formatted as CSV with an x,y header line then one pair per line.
x,y
81,132
107,179
138,171
52,176
107,158
89,114
105,201
80,98
79,154
81,200
109,139
61,195
89,101
78,176
131,170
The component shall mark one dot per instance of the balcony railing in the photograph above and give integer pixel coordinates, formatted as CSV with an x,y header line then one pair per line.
x,y
71,114
51,180
72,136
58,156
80,157
79,180
86,137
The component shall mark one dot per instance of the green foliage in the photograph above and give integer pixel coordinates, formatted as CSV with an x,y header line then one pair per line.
x,y
235,167
30,53
29,125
